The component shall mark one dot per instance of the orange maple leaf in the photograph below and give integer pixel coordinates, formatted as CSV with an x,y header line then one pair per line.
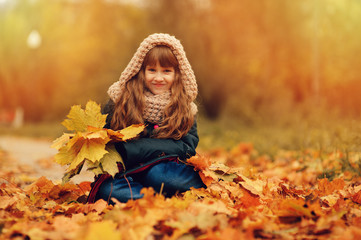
x,y
248,199
357,197
326,188
42,185
199,162
243,148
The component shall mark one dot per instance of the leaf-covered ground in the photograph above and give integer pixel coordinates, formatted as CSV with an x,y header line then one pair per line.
x,y
249,196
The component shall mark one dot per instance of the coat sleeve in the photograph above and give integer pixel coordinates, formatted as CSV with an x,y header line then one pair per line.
x,y
145,149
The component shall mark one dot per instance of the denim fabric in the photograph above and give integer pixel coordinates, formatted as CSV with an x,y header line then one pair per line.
x,y
175,177
119,188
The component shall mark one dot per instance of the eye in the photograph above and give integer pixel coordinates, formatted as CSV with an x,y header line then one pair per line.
x,y
151,69
168,70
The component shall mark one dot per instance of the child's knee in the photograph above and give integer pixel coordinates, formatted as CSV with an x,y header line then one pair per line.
x,y
173,177
122,189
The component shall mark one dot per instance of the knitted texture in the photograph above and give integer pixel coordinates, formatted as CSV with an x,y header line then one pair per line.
x,y
155,105
187,74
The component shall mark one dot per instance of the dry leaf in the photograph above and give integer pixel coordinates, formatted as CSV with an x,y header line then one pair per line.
x,y
199,162
235,205
79,119
90,143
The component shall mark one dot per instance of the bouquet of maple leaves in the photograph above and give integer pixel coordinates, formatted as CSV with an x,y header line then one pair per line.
x,y
89,143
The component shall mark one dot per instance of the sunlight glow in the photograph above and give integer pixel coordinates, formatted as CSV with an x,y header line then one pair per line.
x,y
34,39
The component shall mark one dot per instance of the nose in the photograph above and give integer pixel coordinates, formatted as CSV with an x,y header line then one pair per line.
x,y
159,77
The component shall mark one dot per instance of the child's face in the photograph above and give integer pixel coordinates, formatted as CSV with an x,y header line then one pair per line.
x,y
159,79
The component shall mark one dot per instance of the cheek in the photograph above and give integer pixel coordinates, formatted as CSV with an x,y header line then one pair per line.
x,y
171,79
147,79
170,83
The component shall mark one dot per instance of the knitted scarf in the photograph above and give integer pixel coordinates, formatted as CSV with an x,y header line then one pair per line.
x,y
155,105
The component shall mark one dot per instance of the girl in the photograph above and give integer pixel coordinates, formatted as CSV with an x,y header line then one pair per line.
x,y
157,88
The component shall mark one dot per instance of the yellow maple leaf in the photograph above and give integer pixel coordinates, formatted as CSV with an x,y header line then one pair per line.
x,y
89,143
64,156
254,186
131,131
94,167
61,141
102,230
90,146
79,119
109,161
92,150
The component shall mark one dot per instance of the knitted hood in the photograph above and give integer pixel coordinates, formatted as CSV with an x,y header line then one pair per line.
x,y
133,67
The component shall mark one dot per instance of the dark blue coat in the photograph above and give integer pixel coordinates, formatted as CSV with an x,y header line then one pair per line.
x,y
145,151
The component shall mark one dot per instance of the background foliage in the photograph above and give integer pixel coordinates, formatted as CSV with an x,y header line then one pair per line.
x,y
262,64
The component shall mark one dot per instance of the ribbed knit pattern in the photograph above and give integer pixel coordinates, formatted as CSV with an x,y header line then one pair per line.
x,y
187,74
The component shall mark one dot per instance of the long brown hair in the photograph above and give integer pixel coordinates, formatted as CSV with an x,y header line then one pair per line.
x,y
178,118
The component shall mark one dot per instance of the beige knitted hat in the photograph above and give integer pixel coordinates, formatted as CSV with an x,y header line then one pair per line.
x,y
187,74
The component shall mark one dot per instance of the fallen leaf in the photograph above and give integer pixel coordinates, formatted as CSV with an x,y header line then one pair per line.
x,y
254,186
326,188
199,162
131,131
79,119
101,230
90,143
357,197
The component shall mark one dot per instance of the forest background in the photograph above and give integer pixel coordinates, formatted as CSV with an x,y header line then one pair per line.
x,y
280,74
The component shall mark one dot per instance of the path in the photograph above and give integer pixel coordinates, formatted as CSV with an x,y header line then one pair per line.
x,y
38,155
